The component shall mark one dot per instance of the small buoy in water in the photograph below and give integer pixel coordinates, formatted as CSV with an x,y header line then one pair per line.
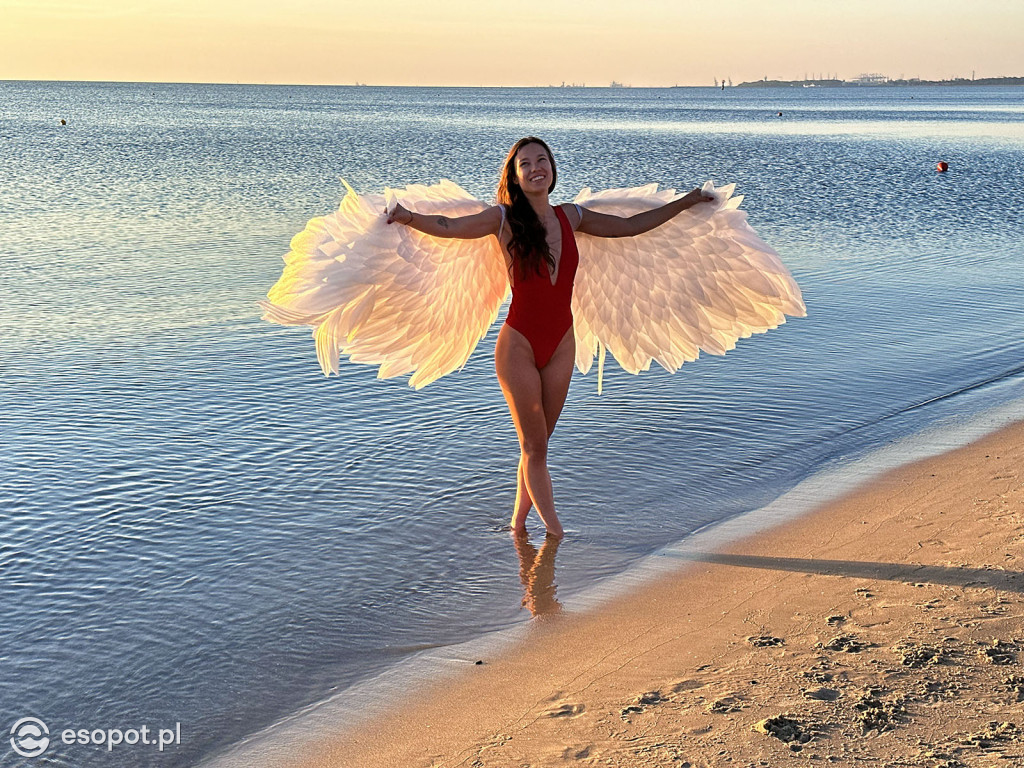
x,y
63,122
942,167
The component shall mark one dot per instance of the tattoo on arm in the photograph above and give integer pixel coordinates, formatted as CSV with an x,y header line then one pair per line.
x,y
442,221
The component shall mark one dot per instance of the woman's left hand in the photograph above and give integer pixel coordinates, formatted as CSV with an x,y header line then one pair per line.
x,y
400,214
697,195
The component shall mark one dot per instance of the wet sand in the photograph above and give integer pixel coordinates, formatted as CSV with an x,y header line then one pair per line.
x,y
885,628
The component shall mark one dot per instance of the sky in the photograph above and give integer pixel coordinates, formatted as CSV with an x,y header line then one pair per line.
x,y
512,43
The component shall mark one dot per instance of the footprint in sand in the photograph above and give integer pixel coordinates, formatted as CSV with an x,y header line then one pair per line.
x,y
687,685
565,710
1000,652
918,655
1015,684
844,644
995,733
765,641
726,705
643,701
577,753
822,694
876,714
786,728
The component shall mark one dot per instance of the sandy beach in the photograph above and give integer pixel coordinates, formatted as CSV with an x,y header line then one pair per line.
x,y
882,629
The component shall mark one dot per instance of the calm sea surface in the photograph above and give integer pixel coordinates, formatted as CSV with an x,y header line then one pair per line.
x,y
199,528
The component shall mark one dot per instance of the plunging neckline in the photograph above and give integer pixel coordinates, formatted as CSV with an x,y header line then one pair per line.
x,y
553,277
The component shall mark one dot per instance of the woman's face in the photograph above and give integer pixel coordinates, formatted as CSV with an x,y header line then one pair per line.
x,y
533,169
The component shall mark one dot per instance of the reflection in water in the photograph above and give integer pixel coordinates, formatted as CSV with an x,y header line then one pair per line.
x,y
537,573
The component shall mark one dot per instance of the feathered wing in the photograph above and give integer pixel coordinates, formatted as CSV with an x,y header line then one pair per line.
x,y
701,281
390,295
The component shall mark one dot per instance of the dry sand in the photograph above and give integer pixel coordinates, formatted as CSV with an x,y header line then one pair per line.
x,y
884,629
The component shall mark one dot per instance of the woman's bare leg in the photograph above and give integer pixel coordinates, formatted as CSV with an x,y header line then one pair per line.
x,y
523,501
535,399
555,378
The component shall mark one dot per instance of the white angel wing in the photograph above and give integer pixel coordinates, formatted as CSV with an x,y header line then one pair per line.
x,y
698,282
390,295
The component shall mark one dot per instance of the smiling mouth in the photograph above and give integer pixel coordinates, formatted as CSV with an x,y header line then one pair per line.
x,y
538,177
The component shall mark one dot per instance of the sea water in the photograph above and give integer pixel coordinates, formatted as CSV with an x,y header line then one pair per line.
x,y
198,528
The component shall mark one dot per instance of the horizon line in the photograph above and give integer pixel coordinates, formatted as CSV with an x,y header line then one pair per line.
x,y
338,85
616,86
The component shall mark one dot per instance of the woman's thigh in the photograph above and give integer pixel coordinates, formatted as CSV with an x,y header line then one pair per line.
x,y
521,384
555,378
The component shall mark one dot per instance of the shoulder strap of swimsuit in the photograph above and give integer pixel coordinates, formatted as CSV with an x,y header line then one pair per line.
x,y
579,212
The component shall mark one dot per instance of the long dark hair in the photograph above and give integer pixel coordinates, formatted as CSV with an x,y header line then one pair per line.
x,y
528,244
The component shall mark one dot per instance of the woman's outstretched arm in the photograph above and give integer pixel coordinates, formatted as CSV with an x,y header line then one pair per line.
x,y
605,225
476,225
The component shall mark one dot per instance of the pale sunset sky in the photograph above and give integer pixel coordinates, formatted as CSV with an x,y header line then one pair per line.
x,y
479,42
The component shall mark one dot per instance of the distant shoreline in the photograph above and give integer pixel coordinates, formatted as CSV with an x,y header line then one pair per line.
x,y
989,81
960,81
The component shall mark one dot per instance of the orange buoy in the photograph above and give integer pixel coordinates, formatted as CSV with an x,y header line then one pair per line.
x,y
942,167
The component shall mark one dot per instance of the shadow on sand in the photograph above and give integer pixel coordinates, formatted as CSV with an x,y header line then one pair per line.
x,y
1009,581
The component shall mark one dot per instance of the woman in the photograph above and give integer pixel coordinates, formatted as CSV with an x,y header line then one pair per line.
x,y
535,351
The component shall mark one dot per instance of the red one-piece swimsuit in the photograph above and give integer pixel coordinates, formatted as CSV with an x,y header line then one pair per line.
x,y
541,310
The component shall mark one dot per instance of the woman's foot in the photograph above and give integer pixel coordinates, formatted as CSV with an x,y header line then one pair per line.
x,y
518,523
519,530
555,531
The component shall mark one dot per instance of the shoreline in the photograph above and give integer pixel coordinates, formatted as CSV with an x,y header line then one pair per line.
x,y
523,693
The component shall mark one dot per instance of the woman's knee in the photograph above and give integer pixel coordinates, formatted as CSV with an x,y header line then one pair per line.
x,y
535,447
